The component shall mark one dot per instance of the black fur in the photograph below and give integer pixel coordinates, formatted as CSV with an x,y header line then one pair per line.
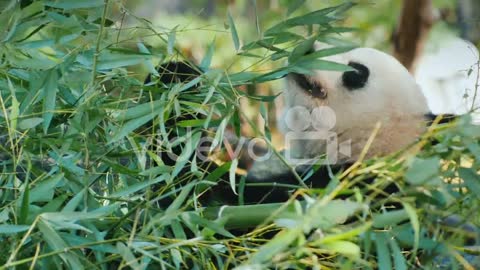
x,y
175,72
313,89
446,118
353,80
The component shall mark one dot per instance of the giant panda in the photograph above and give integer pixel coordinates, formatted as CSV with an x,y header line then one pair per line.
x,y
347,105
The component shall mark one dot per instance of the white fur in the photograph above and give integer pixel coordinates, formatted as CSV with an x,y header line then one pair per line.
x,y
391,97
448,78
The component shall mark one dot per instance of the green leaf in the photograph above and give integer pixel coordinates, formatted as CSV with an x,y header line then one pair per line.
x,y
14,110
127,191
141,110
383,252
74,202
190,147
274,75
232,175
261,98
44,190
190,84
150,66
233,29
29,123
302,49
218,172
207,59
128,256
301,66
11,229
398,259
294,5
108,60
74,4
130,126
389,218
55,242
25,206
50,95
315,17
471,179
171,40
179,200
211,225
346,248
218,139
423,170
412,214
275,246
335,212
326,52
269,42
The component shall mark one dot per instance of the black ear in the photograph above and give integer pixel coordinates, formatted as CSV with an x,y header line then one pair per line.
x,y
175,72
357,78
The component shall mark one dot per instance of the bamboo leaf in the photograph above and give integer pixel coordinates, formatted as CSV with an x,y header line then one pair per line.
x,y
44,191
294,5
25,206
233,29
50,95
128,256
233,168
207,59
73,4
346,248
422,170
412,214
471,179
275,246
171,40
130,126
29,123
398,258
12,229
383,252
55,242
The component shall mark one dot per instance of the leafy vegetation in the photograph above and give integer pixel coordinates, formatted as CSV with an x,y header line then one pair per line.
x,y
83,186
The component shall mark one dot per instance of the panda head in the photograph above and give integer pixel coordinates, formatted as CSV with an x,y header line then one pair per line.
x,y
377,89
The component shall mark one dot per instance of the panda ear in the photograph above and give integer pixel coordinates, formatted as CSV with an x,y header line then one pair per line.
x,y
175,72
357,78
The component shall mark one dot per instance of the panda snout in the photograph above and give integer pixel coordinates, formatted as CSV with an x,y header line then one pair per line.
x,y
312,88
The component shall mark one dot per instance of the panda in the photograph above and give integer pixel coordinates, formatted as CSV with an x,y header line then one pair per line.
x,y
347,105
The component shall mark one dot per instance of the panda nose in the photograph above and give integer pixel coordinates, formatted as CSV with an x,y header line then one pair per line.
x,y
312,88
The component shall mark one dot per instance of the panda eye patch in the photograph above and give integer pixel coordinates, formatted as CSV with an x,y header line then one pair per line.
x,y
314,89
357,78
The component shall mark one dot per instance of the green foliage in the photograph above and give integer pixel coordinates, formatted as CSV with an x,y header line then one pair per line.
x,y
83,185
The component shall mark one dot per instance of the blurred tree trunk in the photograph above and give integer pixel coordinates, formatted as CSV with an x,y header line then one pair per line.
x,y
469,19
412,31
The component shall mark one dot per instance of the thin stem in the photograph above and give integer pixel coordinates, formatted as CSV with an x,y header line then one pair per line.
x,y
97,46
